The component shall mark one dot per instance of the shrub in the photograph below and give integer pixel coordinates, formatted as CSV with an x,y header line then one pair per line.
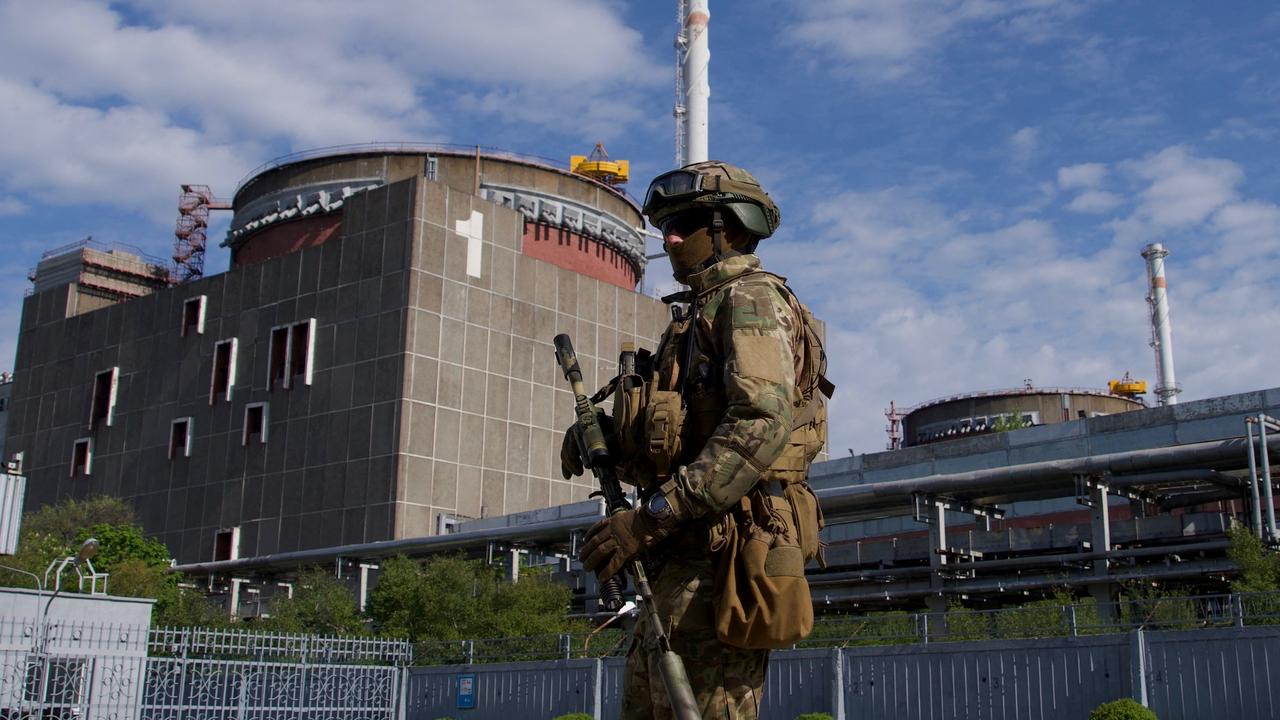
x,y
814,716
1125,709
575,716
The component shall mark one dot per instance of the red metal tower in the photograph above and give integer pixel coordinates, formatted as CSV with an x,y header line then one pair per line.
x,y
189,236
894,428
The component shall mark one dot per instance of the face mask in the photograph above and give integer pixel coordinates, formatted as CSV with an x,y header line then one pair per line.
x,y
688,256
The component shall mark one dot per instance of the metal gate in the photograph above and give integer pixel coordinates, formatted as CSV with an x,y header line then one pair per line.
x,y
217,674
90,671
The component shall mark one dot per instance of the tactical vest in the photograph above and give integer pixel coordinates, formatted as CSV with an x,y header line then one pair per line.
x,y
669,406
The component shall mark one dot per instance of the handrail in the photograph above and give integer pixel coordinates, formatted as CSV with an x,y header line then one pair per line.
x,y
412,147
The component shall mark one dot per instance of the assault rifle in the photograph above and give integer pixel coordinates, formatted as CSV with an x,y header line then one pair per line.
x,y
594,451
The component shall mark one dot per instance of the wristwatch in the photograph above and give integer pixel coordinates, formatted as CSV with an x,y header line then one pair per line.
x,y
658,507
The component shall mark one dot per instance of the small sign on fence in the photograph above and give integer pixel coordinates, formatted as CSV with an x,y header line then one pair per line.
x,y
466,691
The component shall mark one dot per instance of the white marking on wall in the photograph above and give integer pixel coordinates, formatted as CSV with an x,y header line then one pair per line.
x,y
473,231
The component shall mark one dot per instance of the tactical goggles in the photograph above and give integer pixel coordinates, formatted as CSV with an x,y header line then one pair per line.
x,y
685,223
675,185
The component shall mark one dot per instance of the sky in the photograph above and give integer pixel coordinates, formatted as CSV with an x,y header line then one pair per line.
x,y
966,185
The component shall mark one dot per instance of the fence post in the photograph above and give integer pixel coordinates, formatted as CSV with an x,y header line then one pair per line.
x,y
1237,610
597,693
1071,620
402,710
837,684
468,651
922,627
566,645
1138,665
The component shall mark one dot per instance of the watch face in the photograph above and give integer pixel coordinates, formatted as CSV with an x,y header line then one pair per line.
x,y
658,506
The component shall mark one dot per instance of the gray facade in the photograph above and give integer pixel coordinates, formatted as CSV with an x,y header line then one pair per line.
x,y
432,392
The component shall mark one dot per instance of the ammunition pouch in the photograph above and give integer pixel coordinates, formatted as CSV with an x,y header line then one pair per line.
x,y
663,421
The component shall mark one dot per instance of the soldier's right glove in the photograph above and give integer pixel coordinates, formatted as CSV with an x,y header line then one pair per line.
x,y
614,541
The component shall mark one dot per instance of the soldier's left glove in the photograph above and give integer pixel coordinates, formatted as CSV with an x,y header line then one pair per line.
x,y
616,540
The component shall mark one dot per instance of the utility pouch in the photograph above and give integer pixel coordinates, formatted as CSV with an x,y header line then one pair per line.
x,y
628,406
762,598
663,420
808,520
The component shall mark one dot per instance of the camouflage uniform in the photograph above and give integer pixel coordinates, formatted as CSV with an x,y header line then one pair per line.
x,y
741,396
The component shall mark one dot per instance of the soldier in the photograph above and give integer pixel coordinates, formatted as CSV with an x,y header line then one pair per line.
x,y
718,438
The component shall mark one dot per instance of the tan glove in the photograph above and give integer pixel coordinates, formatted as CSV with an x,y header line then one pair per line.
x,y
571,457
615,541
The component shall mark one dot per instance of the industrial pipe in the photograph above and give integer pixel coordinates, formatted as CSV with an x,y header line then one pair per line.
x,y
1051,478
387,548
1253,481
962,587
1019,562
1266,478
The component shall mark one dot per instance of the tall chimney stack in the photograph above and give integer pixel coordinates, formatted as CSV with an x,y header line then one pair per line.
x,y
697,86
1161,335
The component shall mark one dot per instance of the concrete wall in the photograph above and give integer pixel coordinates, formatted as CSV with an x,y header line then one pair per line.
x,y
485,404
434,390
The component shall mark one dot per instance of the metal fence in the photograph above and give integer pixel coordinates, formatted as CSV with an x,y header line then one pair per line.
x,y
1037,620
87,670
1207,674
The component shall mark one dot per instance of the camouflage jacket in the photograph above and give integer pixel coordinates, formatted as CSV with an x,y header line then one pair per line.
x,y
739,382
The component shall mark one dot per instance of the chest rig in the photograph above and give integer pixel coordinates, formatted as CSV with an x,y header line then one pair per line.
x,y
668,404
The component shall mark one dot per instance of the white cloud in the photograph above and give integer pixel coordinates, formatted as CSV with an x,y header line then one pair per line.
x,y
135,97
922,302
129,156
1094,201
887,39
12,206
1183,188
1025,142
1084,175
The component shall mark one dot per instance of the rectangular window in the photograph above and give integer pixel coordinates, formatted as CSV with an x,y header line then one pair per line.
x,y
224,371
278,371
255,423
104,398
180,438
226,544
301,350
292,351
82,457
193,316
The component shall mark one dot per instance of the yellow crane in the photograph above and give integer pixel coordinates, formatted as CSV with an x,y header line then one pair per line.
x,y
1127,386
597,165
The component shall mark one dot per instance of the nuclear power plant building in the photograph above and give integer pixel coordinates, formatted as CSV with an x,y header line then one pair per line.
x,y
376,364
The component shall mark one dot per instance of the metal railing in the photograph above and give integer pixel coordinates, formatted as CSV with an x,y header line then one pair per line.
x,y
1039,620
420,147
278,647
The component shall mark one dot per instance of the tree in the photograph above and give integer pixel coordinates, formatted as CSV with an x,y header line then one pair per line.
x,y
1259,567
137,565
54,531
190,608
320,604
452,598
1005,423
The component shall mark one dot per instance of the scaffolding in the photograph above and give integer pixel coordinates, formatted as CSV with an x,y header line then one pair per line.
x,y
190,234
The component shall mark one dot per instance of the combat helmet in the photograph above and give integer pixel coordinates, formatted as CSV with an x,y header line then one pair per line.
x,y
713,185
